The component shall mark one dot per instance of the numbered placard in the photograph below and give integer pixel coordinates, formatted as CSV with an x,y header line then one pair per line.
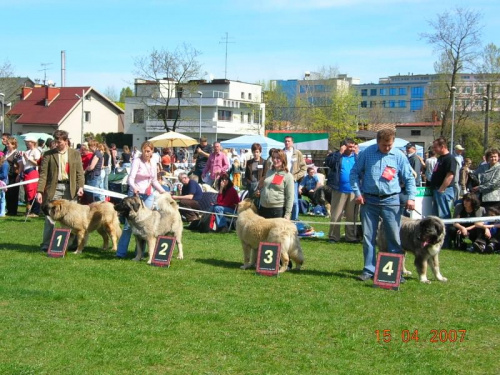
x,y
268,259
388,271
58,243
163,251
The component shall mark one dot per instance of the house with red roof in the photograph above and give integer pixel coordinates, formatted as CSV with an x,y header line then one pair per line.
x,y
78,110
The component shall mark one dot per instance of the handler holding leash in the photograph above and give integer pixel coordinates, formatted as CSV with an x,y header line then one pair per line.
x,y
61,177
375,180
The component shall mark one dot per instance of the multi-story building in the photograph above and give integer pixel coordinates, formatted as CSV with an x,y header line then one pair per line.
x,y
313,89
220,109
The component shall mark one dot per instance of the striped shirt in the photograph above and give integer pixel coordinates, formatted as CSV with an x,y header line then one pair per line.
x,y
367,174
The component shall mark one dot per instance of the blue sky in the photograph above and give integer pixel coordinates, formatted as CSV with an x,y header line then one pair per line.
x,y
271,39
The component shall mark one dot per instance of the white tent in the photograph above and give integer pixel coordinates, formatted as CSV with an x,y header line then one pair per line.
x,y
398,143
246,142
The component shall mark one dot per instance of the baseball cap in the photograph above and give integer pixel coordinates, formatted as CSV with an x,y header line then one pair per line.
x,y
30,138
459,147
410,145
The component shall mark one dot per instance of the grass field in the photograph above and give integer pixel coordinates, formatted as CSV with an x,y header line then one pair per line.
x,y
94,314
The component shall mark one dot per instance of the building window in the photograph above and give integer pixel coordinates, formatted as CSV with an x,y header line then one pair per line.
x,y
373,103
87,116
383,92
171,114
249,96
242,95
479,90
479,103
402,91
139,116
242,119
363,104
364,92
392,104
415,133
224,115
416,105
249,118
392,91
373,92
467,90
402,104
384,104
417,92
319,88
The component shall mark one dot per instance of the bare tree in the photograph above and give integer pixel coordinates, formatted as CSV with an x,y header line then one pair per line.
x,y
456,37
172,70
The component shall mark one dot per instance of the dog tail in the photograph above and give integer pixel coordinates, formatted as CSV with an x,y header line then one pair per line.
x,y
166,203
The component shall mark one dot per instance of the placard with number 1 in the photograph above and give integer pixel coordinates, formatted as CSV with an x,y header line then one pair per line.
x,y
58,243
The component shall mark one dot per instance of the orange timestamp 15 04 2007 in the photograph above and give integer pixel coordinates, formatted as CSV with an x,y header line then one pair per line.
x,y
435,335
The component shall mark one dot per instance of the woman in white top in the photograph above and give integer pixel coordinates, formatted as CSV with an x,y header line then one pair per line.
x,y
141,181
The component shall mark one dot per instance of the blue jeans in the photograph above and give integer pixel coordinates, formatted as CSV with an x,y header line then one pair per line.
x,y
442,203
371,212
124,241
95,181
2,202
295,208
221,220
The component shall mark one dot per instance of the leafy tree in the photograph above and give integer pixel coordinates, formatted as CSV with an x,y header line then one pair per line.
x,y
456,37
178,67
124,93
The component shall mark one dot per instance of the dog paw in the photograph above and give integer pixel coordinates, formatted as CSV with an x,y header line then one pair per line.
x,y
425,281
137,259
77,252
406,273
443,279
246,266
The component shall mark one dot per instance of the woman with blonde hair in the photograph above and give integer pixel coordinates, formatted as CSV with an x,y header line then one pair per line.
x,y
93,171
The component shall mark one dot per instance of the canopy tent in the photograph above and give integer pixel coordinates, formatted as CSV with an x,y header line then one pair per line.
x,y
37,136
173,139
246,142
398,143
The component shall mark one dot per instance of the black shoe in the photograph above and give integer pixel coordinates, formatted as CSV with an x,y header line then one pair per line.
x,y
332,241
402,280
490,248
365,277
479,247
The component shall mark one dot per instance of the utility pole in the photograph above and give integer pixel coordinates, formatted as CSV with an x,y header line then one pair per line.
x,y
226,41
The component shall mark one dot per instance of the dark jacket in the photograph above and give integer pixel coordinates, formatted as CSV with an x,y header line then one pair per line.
x,y
334,162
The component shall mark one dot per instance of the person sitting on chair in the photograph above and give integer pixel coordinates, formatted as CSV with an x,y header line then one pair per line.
x,y
227,200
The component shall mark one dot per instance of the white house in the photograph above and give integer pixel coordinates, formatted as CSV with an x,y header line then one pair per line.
x,y
219,110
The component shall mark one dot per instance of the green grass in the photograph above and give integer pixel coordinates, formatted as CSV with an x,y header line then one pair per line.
x,y
94,314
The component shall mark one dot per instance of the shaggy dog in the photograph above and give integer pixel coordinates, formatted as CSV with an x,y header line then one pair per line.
x,y
148,224
253,229
424,239
323,197
83,220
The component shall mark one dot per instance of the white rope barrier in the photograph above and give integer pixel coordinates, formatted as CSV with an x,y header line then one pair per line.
x,y
109,193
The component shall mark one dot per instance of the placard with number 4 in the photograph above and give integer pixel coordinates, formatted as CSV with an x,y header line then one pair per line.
x,y
388,271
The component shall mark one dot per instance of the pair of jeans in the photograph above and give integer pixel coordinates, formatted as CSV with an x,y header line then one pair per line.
x,y
295,208
442,203
220,219
95,181
2,202
389,210
124,241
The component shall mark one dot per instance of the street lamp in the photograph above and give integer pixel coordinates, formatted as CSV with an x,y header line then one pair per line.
x,y
83,113
3,112
201,96
453,89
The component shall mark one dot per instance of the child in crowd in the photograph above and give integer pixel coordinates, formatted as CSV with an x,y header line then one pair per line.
x,y
236,171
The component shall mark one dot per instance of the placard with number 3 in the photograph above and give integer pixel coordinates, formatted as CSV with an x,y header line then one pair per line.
x,y
268,258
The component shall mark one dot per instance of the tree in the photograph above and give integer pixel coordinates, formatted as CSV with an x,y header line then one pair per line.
x,y
172,70
111,94
456,37
338,117
277,107
126,92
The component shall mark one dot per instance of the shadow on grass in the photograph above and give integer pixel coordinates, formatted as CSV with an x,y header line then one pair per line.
x,y
88,252
219,263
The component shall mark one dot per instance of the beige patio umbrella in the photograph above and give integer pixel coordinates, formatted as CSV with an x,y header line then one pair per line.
x,y
173,139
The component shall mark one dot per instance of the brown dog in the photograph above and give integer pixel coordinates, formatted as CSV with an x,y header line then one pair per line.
x,y
253,229
82,220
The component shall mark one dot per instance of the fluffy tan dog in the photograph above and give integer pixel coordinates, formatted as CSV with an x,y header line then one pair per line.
x,y
82,220
253,229
148,224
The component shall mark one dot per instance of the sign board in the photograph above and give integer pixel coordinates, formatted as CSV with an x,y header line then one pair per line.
x,y
58,242
388,271
163,251
268,259
423,203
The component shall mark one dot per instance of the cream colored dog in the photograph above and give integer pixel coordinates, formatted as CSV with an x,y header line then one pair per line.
x,y
253,229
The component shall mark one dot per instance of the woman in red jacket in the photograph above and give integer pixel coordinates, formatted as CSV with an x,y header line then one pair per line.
x,y
227,201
